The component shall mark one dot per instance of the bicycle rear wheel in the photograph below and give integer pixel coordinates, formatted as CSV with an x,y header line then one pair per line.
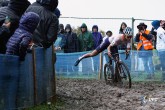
x,y
108,73
125,76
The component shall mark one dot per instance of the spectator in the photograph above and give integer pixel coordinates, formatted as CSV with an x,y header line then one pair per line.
x,y
144,39
59,48
61,39
20,40
85,39
46,32
155,26
114,48
160,45
13,11
71,46
122,27
108,34
97,37
9,82
86,44
71,40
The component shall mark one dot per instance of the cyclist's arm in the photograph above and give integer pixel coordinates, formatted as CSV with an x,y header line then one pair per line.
x,y
109,50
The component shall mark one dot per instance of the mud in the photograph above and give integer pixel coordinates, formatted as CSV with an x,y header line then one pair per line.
x,y
80,94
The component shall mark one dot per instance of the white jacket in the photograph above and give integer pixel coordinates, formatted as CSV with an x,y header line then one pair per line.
x,y
160,43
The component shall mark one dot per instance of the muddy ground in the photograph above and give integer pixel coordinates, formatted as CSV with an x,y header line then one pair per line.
x,y
80,94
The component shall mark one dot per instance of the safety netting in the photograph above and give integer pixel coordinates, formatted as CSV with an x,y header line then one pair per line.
x,y
139,63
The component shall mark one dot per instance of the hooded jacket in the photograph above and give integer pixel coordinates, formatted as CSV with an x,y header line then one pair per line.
x,y
156,24
46,32
97,37
71,41
85,40
14,10
19,41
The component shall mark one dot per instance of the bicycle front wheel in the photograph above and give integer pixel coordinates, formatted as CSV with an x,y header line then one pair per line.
x,y
124,75
108,73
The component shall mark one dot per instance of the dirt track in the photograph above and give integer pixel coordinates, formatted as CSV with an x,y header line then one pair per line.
x,y
96,95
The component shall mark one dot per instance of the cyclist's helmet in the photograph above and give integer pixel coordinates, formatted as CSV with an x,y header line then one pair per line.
x,y
128,31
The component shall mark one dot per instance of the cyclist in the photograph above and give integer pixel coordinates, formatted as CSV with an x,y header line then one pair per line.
x,y
110,42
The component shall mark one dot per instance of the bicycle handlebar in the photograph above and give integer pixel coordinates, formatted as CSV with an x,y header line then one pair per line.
x,y
126,57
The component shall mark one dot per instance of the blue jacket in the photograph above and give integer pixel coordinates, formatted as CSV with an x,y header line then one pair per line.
x,y
97,37
19,41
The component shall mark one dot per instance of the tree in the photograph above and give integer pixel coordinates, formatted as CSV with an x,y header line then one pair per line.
x,y
102,33
76,30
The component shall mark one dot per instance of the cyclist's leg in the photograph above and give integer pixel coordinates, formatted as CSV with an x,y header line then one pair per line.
x,y
114,50
91,54
99,49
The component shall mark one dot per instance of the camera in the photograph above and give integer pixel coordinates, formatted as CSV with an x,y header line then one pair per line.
x,y
141,28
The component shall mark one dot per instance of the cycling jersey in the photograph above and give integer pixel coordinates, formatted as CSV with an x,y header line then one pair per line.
x,y
113,41
117,40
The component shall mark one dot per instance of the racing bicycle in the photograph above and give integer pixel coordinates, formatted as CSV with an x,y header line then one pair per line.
x,y
119,73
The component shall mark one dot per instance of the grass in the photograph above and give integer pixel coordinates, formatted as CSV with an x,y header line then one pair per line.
x,y
58,105
141,76
78,75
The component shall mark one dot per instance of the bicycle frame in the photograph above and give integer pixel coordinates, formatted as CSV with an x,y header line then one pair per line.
x,y
121,74
115,57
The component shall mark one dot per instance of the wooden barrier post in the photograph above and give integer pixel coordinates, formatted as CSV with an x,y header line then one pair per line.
x,y
54,75
101,66
34,76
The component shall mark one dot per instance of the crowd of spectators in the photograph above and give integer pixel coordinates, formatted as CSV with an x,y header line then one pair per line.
x,y
47,32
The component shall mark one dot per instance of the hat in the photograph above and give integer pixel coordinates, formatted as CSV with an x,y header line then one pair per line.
x,y
61,26
109,32
49,4
57,12
95,26
18,6
68,27
29,21
155,24
83,25
4,3
142,24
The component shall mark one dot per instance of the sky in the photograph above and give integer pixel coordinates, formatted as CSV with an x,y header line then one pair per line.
x,y
138,9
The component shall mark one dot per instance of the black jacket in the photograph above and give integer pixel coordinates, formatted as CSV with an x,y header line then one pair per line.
x,y
71,44
46,32
14,10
